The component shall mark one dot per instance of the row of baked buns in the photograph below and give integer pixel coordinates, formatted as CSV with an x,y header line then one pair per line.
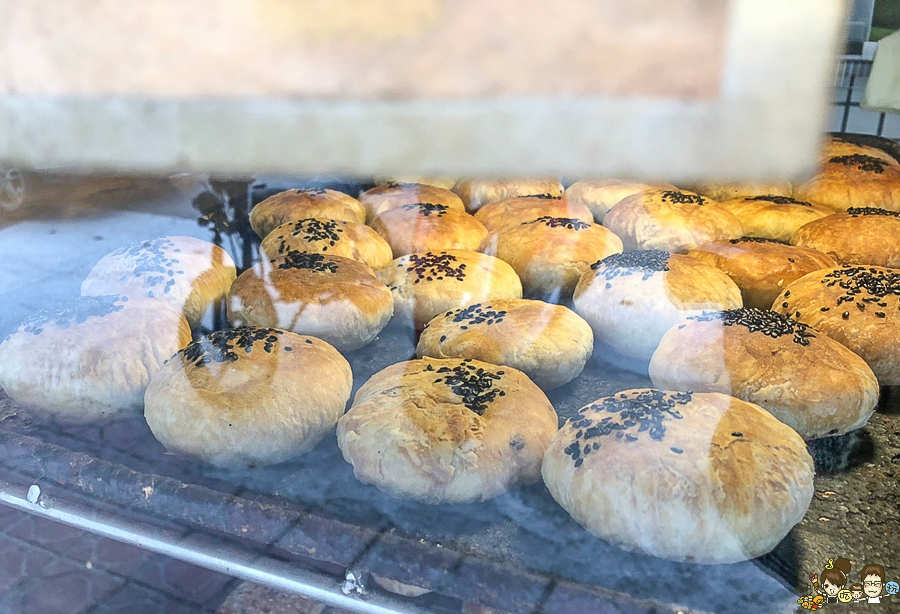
x,y
440,430
725,466
446,430
341,301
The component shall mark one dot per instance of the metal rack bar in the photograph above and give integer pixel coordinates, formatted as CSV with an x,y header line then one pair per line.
x,y
196,549
848,102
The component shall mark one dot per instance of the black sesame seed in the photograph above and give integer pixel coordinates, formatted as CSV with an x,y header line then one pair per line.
x,y
779,200
756,240
221,346
74,312
858,211
763,321
647,410
307,261
429,264
682,198
862,162
560,222
644,263
475,389
427,209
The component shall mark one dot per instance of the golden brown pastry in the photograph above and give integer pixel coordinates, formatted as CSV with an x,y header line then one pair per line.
x,y
700,477
331,237
551,253
247,397
475,193
854,181
333,298
438,182
773,217
761,268
858,236
805,379
734,190
187,273
548,343
394,194
509,212
601,195
422,227
670,220
858,306
632,299
91,358
293,205
429,283
447,431
837,146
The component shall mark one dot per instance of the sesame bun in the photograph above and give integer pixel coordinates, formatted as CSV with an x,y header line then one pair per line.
x,y
858,306
447,431
510,212
836,146
761,268
805,379
248,396
730,191
551,253
548,343
185,272
393,194
91,358
854,181
632,299
430,283
438,182
670,220
336,299
857,236
332,237
422,227
700,477
475,193
599,196
773,217
293,205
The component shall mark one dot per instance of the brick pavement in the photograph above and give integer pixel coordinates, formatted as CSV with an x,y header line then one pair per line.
x,y
50,568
